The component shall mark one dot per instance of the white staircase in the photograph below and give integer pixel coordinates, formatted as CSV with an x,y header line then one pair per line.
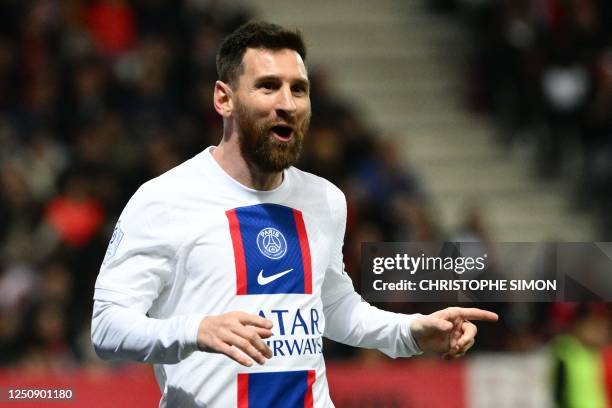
x,y
404,68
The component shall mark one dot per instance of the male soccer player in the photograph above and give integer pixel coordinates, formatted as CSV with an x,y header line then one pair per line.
x,y
235,256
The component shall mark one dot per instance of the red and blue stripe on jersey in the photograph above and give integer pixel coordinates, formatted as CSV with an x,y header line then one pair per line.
x,y
268,241
287,389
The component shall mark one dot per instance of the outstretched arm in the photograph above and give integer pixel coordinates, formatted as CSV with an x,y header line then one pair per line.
x,y
352,321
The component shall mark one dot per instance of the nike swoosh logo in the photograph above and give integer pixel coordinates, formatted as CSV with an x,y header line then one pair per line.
x,y
264,280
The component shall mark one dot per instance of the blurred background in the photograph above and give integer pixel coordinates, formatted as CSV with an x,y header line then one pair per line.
x,y
467,120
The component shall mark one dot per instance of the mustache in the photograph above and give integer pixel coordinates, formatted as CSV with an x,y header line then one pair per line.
x,y
291,123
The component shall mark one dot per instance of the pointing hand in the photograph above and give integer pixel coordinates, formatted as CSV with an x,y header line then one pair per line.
x,y
448,331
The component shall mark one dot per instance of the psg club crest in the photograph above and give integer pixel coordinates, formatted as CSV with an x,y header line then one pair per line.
x,y
271,243
271,250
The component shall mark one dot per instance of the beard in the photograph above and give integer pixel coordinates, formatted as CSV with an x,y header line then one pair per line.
x,y
261,149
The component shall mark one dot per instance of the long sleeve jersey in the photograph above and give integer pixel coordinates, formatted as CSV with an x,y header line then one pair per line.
x,y
194,242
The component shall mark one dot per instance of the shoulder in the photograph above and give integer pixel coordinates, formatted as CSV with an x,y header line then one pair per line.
x,y
172,186
156,202
316,186
176,180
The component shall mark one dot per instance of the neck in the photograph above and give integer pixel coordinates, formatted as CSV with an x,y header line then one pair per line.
x,y
228,156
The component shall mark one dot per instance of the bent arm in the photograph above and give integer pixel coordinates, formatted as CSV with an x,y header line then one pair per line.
x,y
139,264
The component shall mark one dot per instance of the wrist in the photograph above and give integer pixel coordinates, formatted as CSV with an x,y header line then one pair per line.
x,y
193,333
409,338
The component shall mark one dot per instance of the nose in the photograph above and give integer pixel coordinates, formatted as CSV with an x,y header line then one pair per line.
x,y
286,102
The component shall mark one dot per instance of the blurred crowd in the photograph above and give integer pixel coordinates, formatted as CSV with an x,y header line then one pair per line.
x,y
543,68
97,97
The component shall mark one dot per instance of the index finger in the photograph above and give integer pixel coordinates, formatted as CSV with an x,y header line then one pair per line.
x,y
254,320
472,313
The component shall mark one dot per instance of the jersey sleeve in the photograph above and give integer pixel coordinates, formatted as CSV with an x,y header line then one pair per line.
x,y
348,318
140,263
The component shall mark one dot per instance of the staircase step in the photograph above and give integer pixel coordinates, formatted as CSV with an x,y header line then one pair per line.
x,y
400,92
401,76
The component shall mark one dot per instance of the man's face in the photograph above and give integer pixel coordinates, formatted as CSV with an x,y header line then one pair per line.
x,y
272,107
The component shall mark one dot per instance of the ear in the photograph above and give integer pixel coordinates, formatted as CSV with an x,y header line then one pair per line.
x,y
223,99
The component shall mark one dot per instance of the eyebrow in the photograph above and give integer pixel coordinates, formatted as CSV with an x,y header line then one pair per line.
x,y
300,81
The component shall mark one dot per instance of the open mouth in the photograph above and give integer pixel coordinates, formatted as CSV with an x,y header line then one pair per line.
x,y
282,132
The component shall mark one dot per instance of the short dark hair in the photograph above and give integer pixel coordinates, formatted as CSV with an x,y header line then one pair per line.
x,y
254,34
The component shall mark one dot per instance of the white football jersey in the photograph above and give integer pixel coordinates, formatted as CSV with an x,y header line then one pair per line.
x,y
194,242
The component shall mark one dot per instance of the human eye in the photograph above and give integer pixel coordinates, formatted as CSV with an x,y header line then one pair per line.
x,y
267,85
300,89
